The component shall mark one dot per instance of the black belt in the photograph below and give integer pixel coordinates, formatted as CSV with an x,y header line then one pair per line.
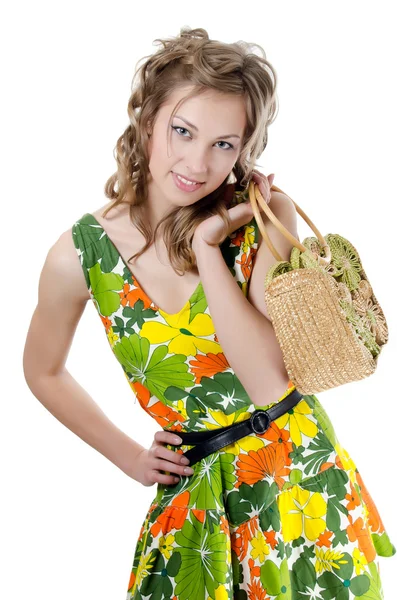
x,y
259,421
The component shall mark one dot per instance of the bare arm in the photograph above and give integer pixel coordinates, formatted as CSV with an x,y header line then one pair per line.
x,y
242,324
62,298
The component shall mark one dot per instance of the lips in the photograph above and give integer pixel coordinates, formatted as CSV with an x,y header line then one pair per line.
x,y
185,187
187,178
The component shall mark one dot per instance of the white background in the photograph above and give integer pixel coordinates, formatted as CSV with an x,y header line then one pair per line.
x,y
70,518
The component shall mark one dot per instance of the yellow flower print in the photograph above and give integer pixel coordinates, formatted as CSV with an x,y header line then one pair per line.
x,y
300,510
298,422
249,238
359,561
165,545
143,569
186,338
180,407
347,462
245,443
325,559
259,547
220,593
112,337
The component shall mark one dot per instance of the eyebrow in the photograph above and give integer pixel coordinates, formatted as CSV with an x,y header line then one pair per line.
x,y
196,129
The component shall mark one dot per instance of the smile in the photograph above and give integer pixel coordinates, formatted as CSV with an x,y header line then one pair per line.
x,y
185,184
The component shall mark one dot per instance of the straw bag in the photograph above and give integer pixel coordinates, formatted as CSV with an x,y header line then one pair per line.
x,y
329,325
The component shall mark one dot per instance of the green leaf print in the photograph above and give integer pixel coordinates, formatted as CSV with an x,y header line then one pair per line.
x,y
86,234
204,564
322,450
375,590
303,578
383,545
340,537
276,580
237,566
324,422
224,386
338,583
256,498
109,253
156,373
162,372
132,352
308,552
336,482
229,253
228,470
158,585
137,314
360,584
238,509
206,489
105,287
198,302
270,517
174,564
297,453
333,516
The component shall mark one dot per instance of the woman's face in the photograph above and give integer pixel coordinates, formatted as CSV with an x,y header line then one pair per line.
x,y
206,154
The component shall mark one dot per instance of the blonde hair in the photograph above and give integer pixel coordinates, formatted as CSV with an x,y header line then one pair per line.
x,y
191,59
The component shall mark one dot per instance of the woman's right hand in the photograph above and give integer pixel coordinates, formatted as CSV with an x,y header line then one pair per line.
x,y
149,463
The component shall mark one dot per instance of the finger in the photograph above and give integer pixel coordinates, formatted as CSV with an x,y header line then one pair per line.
x,y
157,477
176,457
264,188
167,437
165,465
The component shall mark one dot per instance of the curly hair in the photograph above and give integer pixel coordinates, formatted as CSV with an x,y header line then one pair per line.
x,y
191,59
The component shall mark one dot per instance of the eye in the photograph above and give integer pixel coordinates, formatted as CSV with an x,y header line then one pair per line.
x,y
230,146
176,128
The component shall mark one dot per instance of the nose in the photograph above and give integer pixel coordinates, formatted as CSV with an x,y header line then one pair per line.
x,y
197,163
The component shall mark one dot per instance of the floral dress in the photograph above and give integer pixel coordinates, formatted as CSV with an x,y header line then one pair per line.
x,y
282,515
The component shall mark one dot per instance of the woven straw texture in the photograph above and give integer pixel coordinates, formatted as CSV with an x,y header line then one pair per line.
x,y
327,320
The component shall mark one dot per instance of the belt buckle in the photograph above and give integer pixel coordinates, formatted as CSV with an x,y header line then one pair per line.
x,y
256,416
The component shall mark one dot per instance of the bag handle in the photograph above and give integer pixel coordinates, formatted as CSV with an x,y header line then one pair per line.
x,y
256,198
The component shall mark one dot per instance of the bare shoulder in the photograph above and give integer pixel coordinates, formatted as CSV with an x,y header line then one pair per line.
x,y
62,297
62,265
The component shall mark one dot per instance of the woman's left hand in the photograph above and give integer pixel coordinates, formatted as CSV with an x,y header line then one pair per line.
x,y
212,230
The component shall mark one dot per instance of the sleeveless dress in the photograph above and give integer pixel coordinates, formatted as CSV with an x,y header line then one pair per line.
x,y
283,515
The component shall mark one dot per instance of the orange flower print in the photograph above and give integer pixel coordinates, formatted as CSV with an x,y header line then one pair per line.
x,y
254,570
357,531
241,537
256,591
246,263
324,539
374,520
271,538
353,498
173,516
207,365
130,296
106,322
279,436
270,461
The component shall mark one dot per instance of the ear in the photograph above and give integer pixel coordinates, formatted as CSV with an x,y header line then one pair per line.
x,y
149,128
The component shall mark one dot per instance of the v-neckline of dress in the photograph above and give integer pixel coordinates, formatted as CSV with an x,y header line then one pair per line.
x,y
137,283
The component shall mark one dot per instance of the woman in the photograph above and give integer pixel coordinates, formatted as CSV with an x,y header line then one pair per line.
x,y
282,511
